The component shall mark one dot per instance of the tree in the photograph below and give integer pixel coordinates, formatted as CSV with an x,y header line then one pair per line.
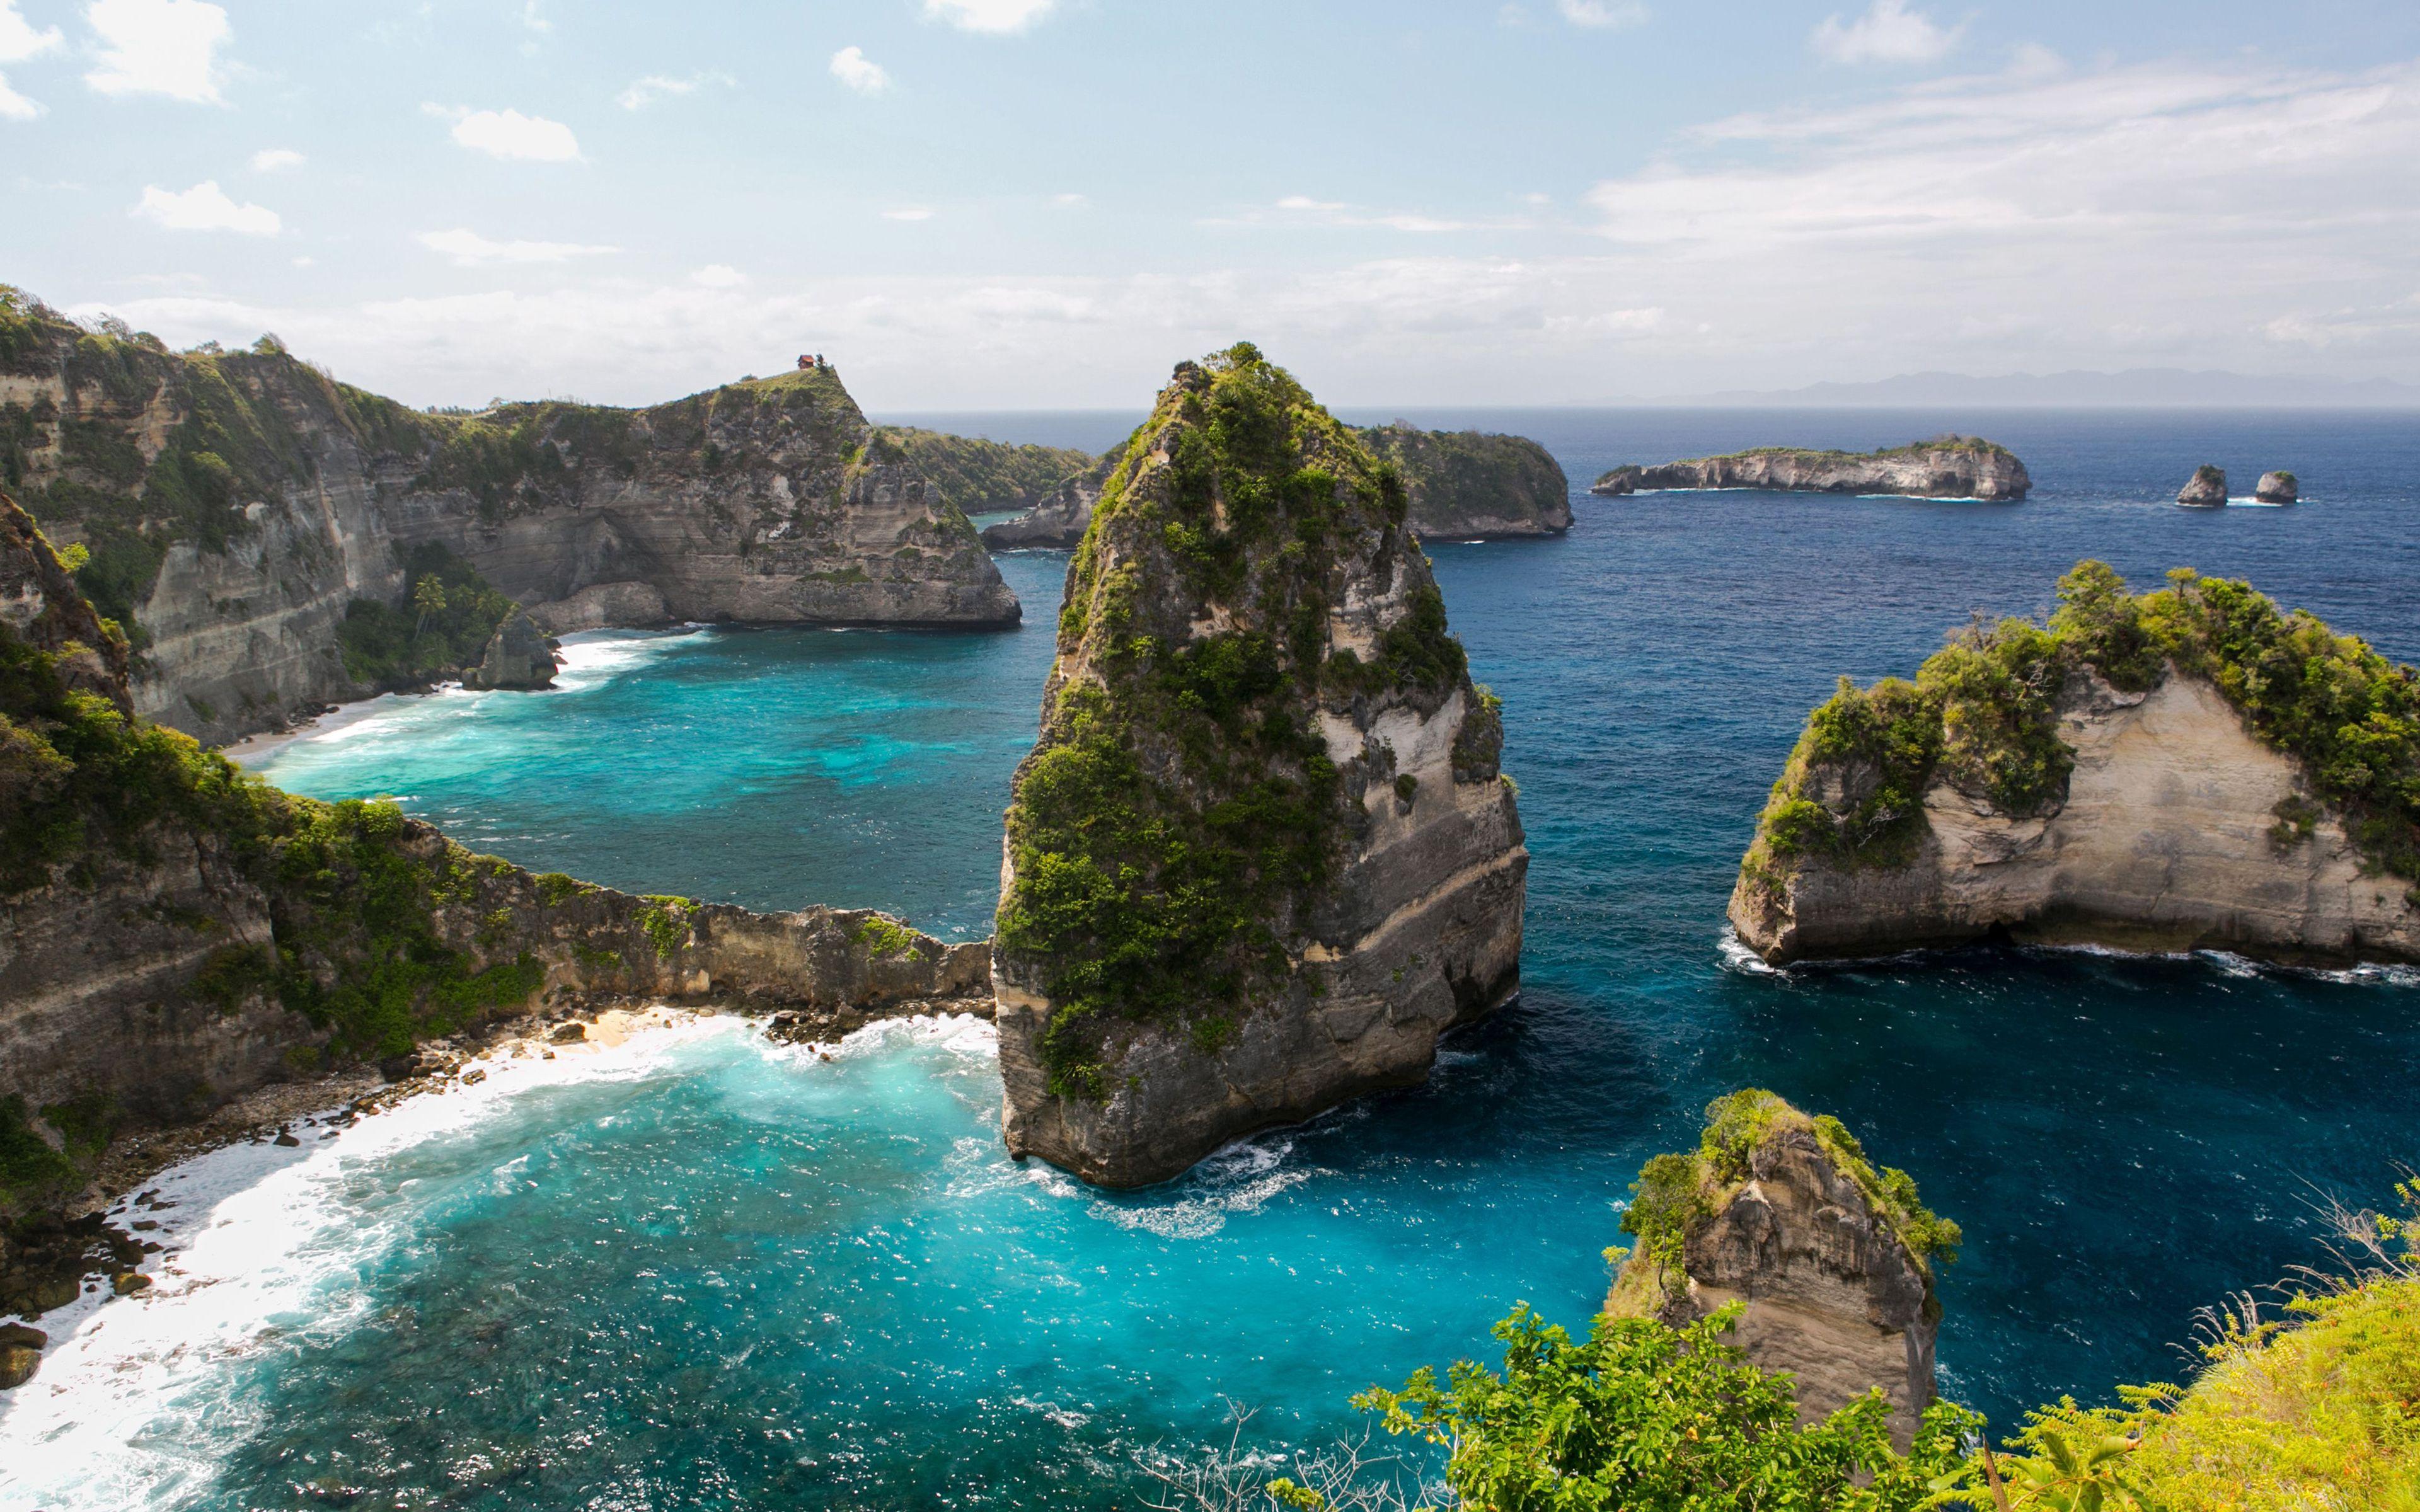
x,y
428,596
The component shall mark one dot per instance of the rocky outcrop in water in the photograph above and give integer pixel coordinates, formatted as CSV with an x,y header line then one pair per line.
x,y
173,933
2277,489
2206,489
2186,770
1059,520
1261,857
1832,1257
1953,467
236,505
517,657
1470,485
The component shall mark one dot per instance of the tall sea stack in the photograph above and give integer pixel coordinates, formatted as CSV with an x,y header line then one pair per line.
x,y
1261,855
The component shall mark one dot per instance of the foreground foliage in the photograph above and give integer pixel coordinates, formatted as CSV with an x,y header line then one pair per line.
x,y
1983,714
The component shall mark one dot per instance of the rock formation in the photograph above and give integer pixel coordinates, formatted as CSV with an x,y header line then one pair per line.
x,y
1059,520
517,657
1953,467
173,933
1261,857
1832,1257
2277,489
2185,770
1466,485
235,504
977,476
2206,489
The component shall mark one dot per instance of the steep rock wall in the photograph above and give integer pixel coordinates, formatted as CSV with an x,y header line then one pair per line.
x,y
1466,485
236,503
1262,857
2169,838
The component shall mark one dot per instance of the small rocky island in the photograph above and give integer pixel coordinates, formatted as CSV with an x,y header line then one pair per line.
x,y
519,656
2277,489
1262,856
1832,1257
1463,484
2186,769
2205,489
1950,467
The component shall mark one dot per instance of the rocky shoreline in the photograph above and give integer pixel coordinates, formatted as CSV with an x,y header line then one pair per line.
x,y
1953,467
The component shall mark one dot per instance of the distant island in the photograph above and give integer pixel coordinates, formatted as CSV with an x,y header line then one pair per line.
x,y
1949,467
2137,388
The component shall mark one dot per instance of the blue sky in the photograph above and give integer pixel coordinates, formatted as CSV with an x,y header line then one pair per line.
x,y
1039,202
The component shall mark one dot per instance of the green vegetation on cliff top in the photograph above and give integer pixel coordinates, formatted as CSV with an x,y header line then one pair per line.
x,y
1983,714
975,475
1180,811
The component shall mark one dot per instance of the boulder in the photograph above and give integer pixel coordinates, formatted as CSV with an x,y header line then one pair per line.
x,y
2208,488
18,1363
519,657
2277,489
1832,1259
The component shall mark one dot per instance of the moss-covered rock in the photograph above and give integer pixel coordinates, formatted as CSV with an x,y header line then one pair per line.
x,y
1218,913
2017,785
1468,484
978,476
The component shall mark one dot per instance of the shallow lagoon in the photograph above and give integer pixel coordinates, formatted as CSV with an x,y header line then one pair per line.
x,y
723,1274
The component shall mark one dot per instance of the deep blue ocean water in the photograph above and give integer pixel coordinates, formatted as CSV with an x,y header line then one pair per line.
x,y
738,1276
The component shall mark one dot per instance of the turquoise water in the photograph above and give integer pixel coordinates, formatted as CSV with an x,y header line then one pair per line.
x,y
730,1276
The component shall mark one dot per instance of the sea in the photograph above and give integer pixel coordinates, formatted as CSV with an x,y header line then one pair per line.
x,y
701,1270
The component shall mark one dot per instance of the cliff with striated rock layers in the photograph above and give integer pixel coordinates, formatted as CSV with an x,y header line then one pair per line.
x,y
1952,467
235,508
174,934
1831,1258
1261,857
2187,769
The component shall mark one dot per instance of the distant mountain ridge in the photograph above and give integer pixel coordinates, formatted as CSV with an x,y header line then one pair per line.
x,y
2161,387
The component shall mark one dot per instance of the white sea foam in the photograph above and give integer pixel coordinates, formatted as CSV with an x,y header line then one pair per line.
x,y
259,1238
1735,956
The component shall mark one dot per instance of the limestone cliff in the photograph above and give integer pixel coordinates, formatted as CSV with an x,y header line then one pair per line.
x,y
1261,857
235,505
1467,485
2185,770
173,933
978,476
1953,467
1832,1257
1058,519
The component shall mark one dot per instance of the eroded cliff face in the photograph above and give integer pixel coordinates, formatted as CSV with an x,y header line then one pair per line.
x,y
2172,836
1058,519
1262,856
173,933
1800,1232
1960,468
1470,485
236,503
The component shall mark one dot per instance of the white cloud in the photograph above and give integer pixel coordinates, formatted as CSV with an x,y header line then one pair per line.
x,y
14,106
470,250
18,39
508,133
1888,32
534,19
989,15
157,47
1304,202
1603,13
908,212
645,92
269,160
305,262
1301,210
1073,202
206,207
718,275
851,67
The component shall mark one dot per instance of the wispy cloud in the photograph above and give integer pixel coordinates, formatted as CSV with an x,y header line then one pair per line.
x,y
157,47
645,92
1888,32
851,67
910,213
508,133
204,208
20,41
467,248
274,160
1602,13
989,15
1304,210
